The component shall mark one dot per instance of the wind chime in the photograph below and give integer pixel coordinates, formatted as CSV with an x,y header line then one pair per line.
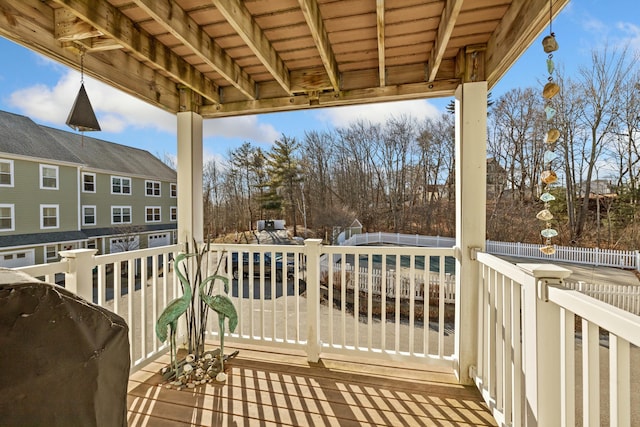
x,y
548,176
81,117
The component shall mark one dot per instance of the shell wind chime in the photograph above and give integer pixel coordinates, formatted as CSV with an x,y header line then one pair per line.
x,y
548,176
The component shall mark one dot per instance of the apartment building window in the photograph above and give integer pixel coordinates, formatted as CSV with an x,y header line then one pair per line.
x,y
120,214
91,244
51,253
7,219
49,216
88,215
173,214
173,191
88,182
152,188
120,185
153,214
6,173
48,177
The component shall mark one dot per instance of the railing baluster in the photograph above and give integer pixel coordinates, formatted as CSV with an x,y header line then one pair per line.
x,y
590,374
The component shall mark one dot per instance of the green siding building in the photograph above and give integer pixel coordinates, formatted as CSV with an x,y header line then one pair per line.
x,y
59,191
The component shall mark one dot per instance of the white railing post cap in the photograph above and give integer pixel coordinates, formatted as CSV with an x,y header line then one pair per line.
x,y
77,253
545,271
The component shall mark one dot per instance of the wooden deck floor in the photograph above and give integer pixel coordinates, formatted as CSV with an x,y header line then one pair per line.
x,y
268,389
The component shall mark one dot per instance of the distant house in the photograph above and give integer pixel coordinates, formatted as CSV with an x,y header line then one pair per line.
x,y
61,191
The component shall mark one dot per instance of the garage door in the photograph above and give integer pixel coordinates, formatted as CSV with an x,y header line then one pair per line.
x,y
17,259
161,239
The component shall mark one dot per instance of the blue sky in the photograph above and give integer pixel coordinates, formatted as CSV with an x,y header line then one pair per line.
x,y
43,90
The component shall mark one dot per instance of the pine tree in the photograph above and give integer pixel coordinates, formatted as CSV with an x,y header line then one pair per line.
x,y
284,173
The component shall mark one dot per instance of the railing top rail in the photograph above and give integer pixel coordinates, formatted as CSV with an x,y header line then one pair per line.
x,y
617,321
138,253
505,268
44,269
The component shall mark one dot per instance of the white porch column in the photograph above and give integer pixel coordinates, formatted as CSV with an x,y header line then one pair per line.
x,y
190,208
471,166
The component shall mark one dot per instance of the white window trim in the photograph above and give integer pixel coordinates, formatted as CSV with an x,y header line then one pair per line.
x,y
121,179
146,208
13,216
173,209
55,250
11,174
95,214
94,182
122,222
146,190
42,208
42,187
173,188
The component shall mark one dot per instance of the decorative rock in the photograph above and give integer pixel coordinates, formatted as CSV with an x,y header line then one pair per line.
x,y
552,136
550,90
550,112
549,156
549,44
221,377
548,249
544,215
547,197
190,358
550,66
187,368
191,385
549,177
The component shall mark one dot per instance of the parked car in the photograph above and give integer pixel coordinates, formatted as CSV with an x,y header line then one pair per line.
x,y
266,259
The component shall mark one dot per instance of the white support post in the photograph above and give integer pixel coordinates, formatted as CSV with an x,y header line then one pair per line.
x,y
471,166
541,344
313,248
190,205
79,278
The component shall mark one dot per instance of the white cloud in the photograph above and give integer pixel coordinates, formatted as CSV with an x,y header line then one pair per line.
x,y
241,127
115,109
378,113
118,111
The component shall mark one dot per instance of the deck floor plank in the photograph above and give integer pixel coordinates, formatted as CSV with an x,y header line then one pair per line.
x,y
267,388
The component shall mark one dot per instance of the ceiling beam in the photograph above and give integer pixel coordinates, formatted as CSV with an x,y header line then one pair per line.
x,y
243,23
448,19
381,54
440,88
111,22
176,21
30,23
523,22
311,13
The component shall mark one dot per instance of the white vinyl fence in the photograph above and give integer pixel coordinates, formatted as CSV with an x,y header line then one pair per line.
x,y
590,256
405,280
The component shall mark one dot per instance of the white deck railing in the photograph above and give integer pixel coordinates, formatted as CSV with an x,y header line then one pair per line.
x,y
541,355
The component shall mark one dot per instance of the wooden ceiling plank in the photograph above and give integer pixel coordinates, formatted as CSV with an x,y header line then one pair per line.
x,y
381,48
69,27
311,13
113,23
29,23
176,21
522,23
243,23
448,19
